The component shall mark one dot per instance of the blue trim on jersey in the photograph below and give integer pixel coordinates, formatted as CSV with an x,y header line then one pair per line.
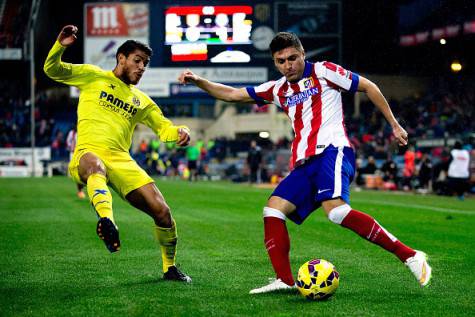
x,y
252,93
355,80
307,70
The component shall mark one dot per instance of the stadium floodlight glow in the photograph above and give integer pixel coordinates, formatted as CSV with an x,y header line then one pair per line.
x,y
443,41
264,134
456,66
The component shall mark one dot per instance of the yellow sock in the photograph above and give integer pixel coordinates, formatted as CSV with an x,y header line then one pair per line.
x,y
100,196
167,238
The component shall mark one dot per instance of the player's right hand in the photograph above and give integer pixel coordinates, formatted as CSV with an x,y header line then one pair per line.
x,y
187,77
400,134
67,36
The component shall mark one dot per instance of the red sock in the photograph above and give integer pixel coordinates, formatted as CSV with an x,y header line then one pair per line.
x,y
276,239
370,229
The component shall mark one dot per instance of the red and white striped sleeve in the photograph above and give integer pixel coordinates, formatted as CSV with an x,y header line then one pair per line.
x,y
339,76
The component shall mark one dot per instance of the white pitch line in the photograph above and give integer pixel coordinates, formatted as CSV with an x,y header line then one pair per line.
x,y
415,206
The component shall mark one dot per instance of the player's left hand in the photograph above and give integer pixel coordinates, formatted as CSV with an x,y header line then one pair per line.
x,y
183,137
400,134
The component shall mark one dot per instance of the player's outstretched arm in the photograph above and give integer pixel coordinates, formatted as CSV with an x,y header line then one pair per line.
x,y
164,128
54,67
67,73
217,90
374,94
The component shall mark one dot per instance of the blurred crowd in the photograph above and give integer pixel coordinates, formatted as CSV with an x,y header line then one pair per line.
x,y
13,24
446,112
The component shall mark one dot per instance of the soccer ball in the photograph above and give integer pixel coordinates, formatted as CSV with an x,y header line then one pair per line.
x,y
317,279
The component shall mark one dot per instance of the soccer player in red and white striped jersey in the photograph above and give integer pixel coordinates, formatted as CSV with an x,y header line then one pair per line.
x,y
323,161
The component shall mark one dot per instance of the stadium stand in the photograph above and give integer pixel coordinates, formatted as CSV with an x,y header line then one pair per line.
x,y
13,22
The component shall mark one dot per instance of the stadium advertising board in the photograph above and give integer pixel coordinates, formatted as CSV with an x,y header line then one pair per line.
x,y
163,82
17,162
110,24
437,33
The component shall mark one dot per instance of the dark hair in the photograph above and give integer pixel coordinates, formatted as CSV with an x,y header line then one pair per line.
x,y
131,45
458,145
283,40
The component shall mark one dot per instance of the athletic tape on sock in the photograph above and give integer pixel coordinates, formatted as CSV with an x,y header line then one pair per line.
x,y
272,212
337,214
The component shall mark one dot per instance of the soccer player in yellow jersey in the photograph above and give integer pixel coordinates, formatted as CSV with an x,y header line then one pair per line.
x,y
109,109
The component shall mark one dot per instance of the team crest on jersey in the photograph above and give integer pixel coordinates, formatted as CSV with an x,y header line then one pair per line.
x,y
308,83
136,101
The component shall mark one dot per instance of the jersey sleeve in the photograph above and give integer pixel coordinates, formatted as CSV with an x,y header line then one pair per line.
x,y
163,127
340,77
67,73
262,94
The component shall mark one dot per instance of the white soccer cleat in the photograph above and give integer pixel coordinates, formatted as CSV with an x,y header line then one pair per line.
x,y
420,268
274,285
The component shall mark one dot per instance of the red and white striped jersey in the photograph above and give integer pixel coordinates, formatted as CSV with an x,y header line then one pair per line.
x,y
313,104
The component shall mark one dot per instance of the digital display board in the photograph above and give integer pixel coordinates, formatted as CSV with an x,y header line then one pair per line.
x,y
217,34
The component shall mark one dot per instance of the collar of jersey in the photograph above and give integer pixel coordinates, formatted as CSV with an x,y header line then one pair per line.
x,y
111,73
308,69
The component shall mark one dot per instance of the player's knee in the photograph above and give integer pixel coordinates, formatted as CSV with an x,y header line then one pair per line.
x,y
162,215
272,212
90,164
337,214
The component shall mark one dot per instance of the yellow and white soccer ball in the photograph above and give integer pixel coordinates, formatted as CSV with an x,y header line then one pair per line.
x,y
317,279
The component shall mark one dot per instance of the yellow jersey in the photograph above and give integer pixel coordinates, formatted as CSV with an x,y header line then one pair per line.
x,y
108,109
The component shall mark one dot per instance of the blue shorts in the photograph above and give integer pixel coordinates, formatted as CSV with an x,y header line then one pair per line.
x,y
323,177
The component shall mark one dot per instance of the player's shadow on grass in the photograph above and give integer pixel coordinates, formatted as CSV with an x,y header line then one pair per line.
x,y
151,280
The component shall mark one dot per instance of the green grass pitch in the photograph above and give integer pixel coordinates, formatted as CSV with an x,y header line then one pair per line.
x,y
52,263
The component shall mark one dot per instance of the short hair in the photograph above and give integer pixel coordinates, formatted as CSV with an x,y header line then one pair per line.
x,y
131,45
283,40
458,145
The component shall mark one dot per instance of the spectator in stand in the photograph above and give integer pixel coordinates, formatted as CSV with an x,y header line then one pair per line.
x,y
192,156
153,157
57,146
390,177
409,168
71,146
141,155
254,160
370,167
459,170
425,174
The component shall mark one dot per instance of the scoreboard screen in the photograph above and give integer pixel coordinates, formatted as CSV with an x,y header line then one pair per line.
x,y
216,34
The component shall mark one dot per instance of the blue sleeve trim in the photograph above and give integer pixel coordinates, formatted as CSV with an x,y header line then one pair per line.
x,y
253,95
308,69
354,83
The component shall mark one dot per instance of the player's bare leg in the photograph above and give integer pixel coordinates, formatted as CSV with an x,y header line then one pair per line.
x,y
364,225
277,242
151,201
93,173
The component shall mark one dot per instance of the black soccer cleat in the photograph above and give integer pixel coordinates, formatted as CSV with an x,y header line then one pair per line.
x,y
107,231
174,274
